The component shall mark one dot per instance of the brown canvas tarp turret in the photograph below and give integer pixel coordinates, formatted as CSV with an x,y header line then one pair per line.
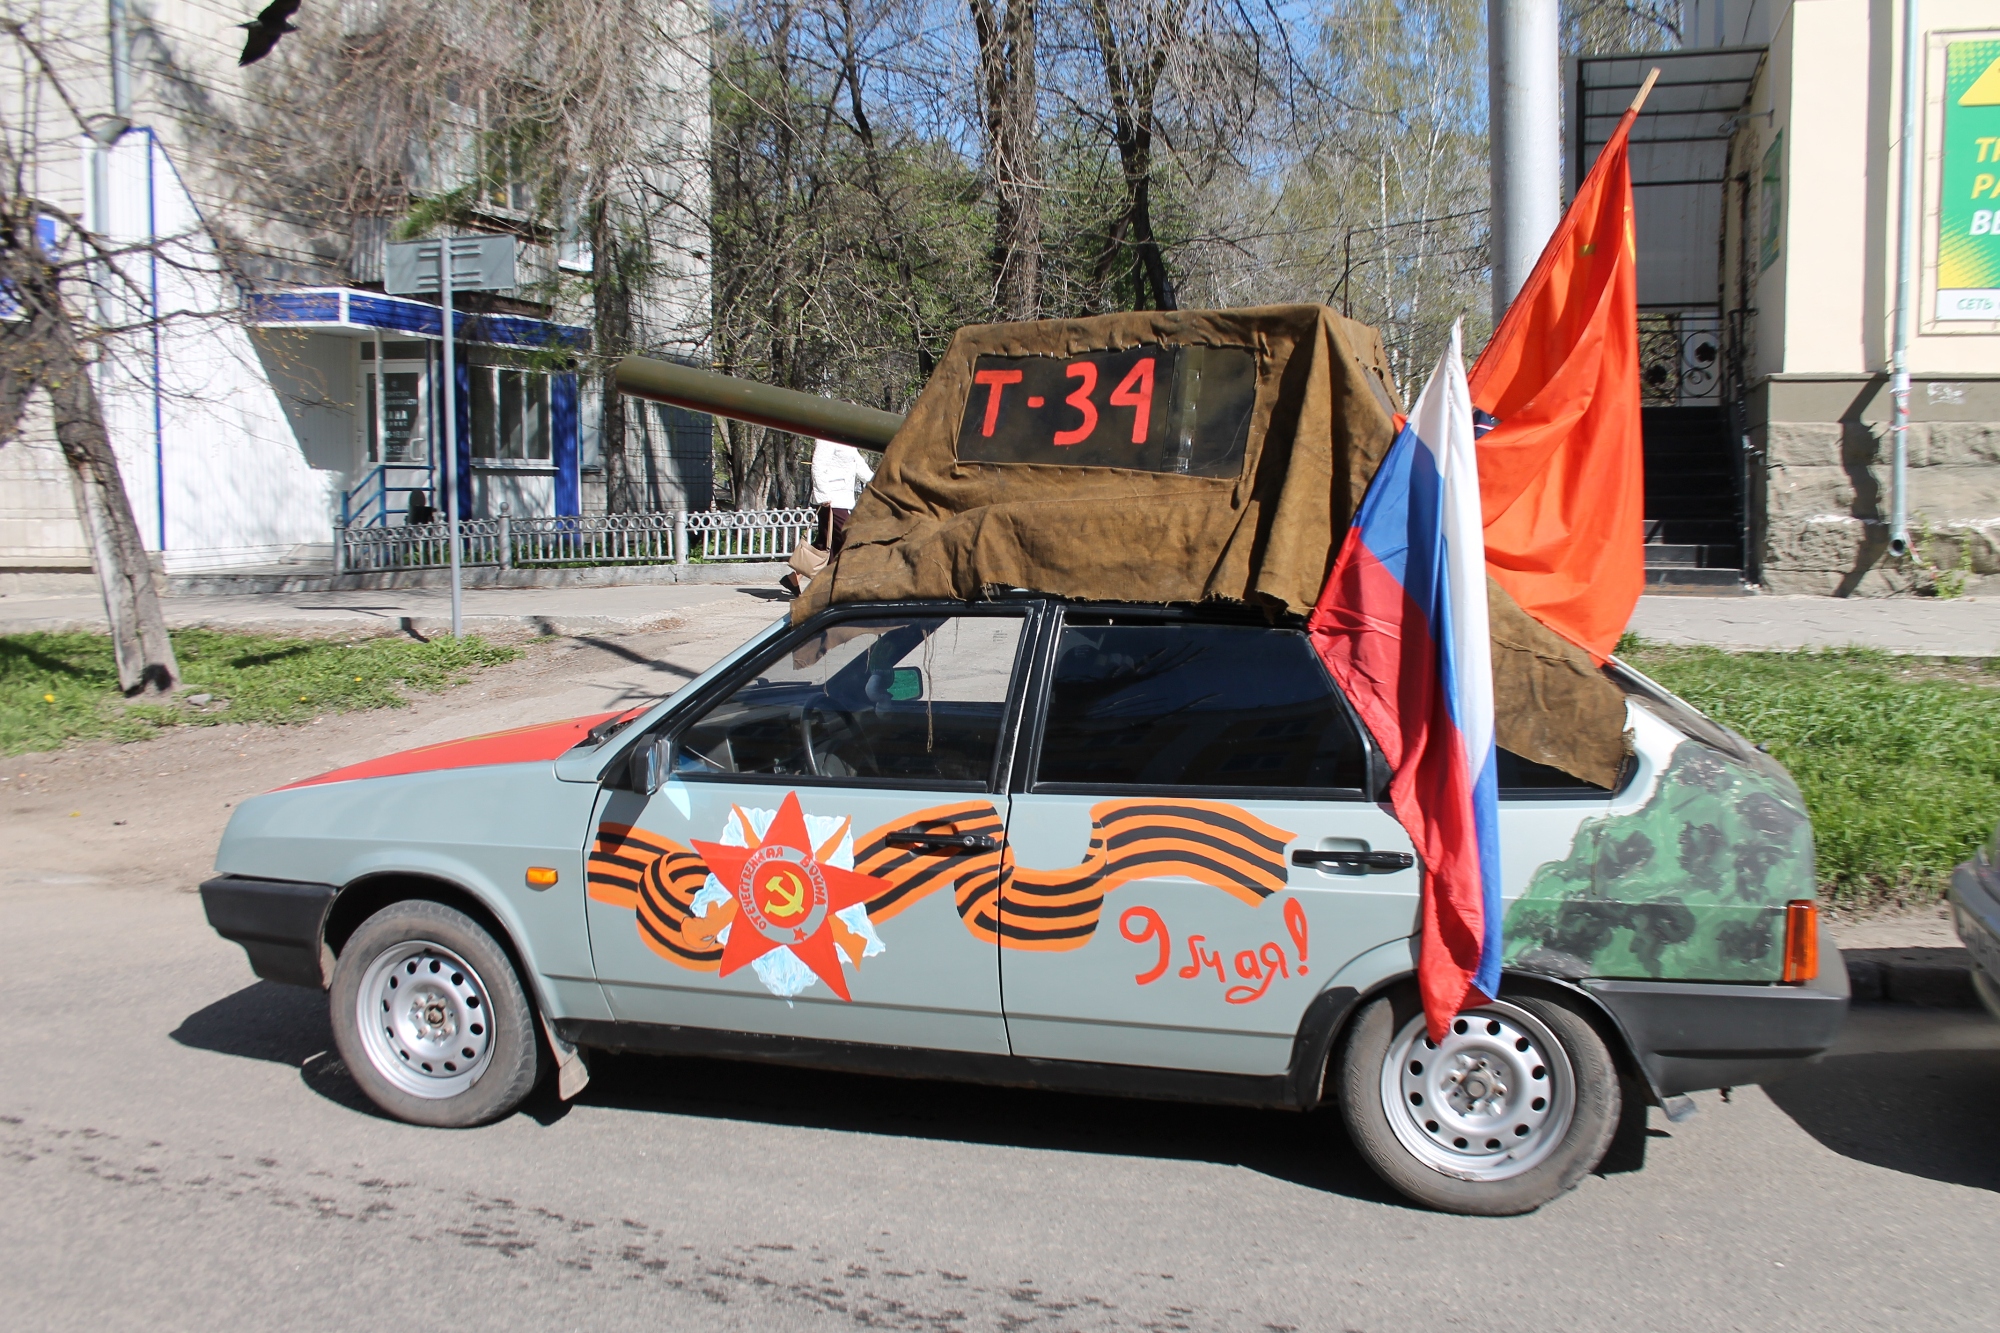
x,y
1182,456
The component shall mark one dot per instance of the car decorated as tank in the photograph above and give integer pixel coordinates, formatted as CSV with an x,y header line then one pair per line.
x,y
1131,850
1121,833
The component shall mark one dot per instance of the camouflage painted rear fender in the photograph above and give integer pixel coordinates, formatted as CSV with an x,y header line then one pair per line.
x,y
1691,886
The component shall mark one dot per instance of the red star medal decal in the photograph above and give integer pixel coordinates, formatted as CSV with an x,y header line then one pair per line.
x,y
785,897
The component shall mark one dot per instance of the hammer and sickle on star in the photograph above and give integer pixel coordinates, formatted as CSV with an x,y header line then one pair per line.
x,y
786,894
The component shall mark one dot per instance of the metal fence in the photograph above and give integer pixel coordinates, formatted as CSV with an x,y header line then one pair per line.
x,y
595,539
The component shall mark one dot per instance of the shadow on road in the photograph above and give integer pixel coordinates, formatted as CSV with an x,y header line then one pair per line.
x,y
637,659
1926,1112
1309,1150
286,1025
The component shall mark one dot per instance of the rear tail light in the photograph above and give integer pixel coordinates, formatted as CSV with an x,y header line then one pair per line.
x,y
1801,940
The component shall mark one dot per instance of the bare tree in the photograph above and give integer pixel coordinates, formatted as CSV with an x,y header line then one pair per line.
x,y
1008,86
1620,25
64,314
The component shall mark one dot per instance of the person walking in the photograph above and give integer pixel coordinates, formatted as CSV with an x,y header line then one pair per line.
x,y
839,475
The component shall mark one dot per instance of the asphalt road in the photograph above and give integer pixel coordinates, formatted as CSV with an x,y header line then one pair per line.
x,y
179,1149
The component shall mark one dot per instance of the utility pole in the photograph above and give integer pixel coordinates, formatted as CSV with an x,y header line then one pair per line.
x,y
1524,91
446,280
1906,282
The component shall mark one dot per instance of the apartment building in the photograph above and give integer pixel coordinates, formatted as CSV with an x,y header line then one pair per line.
x,y
266,386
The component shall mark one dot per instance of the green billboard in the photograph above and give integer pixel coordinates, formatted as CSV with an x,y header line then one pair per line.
x,y
1968,243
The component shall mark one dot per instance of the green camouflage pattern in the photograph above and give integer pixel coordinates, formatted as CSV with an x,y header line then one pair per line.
x,y
1692,886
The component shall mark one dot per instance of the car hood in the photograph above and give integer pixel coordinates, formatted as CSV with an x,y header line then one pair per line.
x,y
520,745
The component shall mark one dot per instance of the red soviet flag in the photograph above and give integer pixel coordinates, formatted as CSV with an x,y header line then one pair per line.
x,y
1561,473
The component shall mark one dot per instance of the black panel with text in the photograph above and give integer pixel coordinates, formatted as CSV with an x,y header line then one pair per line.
x,y
1180,410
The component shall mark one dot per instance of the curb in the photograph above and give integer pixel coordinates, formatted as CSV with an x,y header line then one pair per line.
x,y
422,626
1930,978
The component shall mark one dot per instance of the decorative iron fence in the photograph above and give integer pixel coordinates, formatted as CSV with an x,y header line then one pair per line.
x,y
758,534
594,539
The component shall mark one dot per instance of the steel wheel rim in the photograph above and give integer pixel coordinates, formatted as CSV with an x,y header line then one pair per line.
x,y
1489,1102
424,1020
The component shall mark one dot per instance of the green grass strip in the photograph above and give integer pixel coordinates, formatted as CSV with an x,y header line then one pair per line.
x,y
1899,758
55,687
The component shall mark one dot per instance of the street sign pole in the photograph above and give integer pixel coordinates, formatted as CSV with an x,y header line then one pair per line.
x,y
450,433
477,264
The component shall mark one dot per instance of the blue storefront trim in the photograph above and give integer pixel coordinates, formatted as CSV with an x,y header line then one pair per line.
x,y
563,442
349,311
369,310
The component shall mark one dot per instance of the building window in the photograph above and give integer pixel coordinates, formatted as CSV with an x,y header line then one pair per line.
x,y
510,413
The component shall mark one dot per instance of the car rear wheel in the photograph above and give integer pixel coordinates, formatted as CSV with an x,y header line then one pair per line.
x,y
431,1019
1514,1106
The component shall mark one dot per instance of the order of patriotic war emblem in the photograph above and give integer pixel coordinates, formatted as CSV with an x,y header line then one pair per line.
x,y
783,894
787,896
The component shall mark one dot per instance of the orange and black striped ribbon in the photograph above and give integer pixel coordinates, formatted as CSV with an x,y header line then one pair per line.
x,y
1047,910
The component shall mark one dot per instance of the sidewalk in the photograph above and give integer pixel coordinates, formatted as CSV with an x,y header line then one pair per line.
x,y
1961,627
423,611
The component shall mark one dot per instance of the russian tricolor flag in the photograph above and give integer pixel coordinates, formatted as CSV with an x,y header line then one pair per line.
x,y
1402,625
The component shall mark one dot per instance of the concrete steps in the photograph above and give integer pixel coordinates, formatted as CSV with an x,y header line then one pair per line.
x,y
1704,582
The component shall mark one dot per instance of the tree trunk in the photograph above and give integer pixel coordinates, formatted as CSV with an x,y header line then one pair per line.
x,y
611,301
1132,83
144,654
1007,78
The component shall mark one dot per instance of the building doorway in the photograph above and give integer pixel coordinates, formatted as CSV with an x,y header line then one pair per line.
x,y
395,431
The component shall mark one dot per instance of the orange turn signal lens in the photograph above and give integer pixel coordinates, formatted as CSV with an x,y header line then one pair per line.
x,y
542,877
1801,940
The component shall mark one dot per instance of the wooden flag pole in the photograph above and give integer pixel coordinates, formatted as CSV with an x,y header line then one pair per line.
x,y
1652,77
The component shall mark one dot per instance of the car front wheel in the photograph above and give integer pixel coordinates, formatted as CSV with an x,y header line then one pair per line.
x,y
430,1018
1514,1106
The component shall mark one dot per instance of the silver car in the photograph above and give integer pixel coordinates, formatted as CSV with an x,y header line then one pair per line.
x,y
1129,850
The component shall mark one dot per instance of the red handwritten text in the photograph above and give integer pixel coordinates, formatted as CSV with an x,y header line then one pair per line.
x,y
1255,968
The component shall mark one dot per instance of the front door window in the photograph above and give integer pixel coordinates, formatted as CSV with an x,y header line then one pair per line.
x,y
825,860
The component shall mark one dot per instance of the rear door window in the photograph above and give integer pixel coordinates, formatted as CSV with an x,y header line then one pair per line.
x,y
1184,705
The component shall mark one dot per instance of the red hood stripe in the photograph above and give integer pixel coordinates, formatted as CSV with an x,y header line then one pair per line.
x,y
521,745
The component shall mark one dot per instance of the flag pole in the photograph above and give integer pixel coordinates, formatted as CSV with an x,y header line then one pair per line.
x,y
1652,77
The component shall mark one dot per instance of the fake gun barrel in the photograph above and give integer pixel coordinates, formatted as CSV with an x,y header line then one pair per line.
x,y
759,404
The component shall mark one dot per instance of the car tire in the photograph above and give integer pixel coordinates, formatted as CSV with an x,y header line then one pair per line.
x,y
1518,1104
431,1020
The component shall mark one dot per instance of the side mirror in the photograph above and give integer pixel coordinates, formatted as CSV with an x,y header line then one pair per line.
x,y
651,765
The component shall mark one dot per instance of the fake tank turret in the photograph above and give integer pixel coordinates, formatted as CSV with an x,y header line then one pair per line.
x,y
759,404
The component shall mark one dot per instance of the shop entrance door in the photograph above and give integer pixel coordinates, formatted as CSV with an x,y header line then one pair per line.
x,y
396,424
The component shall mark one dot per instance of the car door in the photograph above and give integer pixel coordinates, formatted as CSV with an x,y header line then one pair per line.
x,y
1156,913
824,858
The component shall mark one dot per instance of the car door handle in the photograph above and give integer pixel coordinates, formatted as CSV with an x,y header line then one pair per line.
x,y
1354,860
942,842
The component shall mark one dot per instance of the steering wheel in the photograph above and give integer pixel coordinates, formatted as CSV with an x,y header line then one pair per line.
x,y
847,719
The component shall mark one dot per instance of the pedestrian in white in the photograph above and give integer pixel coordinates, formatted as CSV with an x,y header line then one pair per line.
x,y
839,475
